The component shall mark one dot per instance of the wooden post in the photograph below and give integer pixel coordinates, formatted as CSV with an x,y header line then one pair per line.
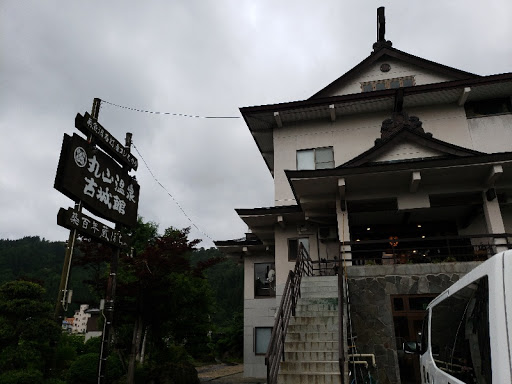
x,y
68,257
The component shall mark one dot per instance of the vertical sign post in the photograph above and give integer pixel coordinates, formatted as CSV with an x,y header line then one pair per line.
x,y
96,181
62,296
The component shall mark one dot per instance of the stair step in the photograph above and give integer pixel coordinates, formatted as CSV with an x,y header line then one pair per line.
x,y
311,346
314,320
315,314
312,356
309,366
306,328
314,306
319,279
309,378
311,336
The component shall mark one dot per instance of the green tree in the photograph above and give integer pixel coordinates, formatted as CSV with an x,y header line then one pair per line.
x,y
28,333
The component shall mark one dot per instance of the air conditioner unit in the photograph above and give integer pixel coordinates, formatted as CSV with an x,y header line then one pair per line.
x,y
325,233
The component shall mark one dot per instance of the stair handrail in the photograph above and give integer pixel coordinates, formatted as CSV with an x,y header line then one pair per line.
x,y
275,352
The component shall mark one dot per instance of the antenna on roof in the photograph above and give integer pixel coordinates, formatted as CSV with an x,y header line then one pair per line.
x,y
381,31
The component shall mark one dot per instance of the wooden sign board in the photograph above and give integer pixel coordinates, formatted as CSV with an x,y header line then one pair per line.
x,y
106,189
90,126
90,227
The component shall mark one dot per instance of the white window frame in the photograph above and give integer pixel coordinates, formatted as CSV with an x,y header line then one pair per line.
x,y
316,163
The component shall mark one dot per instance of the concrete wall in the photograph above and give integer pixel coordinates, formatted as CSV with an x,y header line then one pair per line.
x,y
492,133
351,135
258,312
370,290
283,266
398,69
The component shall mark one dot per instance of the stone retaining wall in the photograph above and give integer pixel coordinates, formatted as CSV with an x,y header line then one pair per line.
x,y
370,288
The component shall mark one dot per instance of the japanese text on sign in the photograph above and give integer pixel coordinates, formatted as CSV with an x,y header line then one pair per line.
x,y
109,143
90,227
87,174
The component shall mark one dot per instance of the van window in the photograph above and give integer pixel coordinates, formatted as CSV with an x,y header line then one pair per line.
x,y
460,334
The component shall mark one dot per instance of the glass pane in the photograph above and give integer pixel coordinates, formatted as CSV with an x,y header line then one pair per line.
x,y
305,159
327,165
419,303
380,85
407,82
262,340
367,88
292,249
305,243
264,279
460,334
395,84
324,155
324,158
398,304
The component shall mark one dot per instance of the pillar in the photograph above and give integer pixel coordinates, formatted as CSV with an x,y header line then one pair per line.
x,y
494,221
343,232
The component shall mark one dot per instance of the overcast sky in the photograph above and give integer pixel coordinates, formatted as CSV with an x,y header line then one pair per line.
x,y
203,58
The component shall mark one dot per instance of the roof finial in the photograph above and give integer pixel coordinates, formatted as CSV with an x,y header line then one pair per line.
x,y
381,31
381,24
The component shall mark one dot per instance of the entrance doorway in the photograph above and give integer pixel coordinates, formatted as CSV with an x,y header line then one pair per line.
x,y
408,313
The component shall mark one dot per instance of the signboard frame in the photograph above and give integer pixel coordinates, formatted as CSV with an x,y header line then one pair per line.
x,y
88,125
87,174
93,228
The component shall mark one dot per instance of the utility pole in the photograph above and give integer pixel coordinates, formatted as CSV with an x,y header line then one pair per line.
x,y
63,294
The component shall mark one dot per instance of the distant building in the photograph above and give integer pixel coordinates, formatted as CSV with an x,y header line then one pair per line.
x,y
80,319
93,329
67,324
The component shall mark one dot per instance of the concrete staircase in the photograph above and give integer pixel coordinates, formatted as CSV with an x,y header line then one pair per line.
x,y
311,346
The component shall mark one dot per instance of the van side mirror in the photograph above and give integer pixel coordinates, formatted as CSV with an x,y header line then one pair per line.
x,y
411,347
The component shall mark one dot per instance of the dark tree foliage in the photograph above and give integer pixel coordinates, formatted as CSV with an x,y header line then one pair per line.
x,y
172,298
226,281
93,257
28,332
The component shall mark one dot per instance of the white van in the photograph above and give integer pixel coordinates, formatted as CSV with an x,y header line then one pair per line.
x,y
467,332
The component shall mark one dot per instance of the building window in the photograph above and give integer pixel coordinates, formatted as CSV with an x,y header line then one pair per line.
x,y
379,85
293,247
367,87
262,339
264,280
316,158
488,107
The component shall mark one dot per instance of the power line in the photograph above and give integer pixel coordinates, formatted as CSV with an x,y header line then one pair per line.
x,y
169,113
169,193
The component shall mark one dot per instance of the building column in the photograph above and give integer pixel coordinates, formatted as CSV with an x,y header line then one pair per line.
x,y
494,220
343,232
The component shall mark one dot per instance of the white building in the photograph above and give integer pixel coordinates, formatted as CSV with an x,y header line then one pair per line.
x,y
81,318
399,161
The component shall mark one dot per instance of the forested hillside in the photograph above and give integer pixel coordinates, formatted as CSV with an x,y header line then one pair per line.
x,y
177,303
40,260
35,259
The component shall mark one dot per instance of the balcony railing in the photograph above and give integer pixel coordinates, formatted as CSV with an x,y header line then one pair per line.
x,y
432,249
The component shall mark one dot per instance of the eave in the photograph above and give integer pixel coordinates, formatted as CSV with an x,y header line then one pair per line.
x,y
261,120
430,175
